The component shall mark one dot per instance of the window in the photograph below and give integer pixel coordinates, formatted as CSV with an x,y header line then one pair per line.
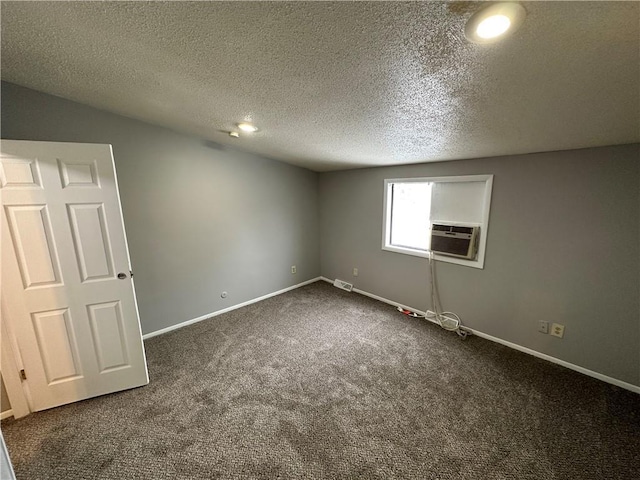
x,y
410,212
412,205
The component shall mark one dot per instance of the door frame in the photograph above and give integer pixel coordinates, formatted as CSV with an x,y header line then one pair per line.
x,y
10,368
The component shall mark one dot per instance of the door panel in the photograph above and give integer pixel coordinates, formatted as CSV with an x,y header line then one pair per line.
x,y
91,241
20,173
108,335
75,322
78,174
33,241
58,348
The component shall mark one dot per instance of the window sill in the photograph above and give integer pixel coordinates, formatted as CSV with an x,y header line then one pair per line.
x,y
441,258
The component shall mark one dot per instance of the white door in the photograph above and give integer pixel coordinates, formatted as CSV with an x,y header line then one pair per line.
x,y
67,293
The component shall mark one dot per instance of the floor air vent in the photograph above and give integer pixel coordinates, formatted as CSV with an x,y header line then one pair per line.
x,y
343,285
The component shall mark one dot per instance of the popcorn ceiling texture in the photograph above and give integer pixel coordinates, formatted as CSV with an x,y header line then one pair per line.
x,y
341,84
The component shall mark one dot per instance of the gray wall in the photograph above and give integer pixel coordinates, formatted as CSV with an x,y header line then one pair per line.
x,y
562,246
199,220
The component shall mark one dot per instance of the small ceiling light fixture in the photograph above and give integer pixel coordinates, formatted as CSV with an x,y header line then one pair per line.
x,y
494,22
247,127
234,134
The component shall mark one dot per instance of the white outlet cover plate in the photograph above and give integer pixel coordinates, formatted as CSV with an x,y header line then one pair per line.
x,y
557,330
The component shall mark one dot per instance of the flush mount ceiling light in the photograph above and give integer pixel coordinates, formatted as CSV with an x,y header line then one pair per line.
x,y
495,22
234,134
247,127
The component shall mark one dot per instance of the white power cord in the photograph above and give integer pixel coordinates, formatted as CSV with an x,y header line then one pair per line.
x,y
447,320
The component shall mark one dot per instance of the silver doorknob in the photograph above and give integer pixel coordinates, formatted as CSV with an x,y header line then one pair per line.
x,y
122,276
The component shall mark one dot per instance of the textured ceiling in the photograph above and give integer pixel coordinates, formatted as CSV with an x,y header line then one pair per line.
x,y
341,84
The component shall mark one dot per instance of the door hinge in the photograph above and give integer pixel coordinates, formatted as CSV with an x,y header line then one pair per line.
x,y
23,375
131,273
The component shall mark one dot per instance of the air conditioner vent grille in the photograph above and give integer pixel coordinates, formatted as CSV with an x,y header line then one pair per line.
x,y
455,240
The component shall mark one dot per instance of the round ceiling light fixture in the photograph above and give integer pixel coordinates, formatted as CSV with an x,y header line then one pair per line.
x,y
494,22
247,127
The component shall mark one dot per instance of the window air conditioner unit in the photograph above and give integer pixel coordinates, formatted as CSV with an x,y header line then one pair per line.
x,y
455,240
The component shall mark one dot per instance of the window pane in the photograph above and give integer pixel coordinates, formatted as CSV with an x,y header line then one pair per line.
x,y
410,215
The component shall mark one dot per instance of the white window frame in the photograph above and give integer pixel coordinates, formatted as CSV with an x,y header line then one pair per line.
x,y
484,224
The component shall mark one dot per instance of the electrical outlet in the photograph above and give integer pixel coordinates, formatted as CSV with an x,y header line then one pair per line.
x,y
294,269
557,330
355,272
543,326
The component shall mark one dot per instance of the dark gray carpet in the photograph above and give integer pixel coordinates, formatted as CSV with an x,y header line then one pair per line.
x,y
320,383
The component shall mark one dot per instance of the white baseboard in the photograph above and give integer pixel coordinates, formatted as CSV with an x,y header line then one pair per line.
x,y
228,309
549,358
6,414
